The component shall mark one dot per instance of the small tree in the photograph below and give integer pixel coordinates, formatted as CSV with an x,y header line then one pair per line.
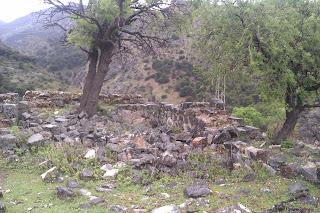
x,y
104,28
279,40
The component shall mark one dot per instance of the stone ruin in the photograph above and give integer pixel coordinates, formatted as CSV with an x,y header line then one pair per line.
x,y
160,135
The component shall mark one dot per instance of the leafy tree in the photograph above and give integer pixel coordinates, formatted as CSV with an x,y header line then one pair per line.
x,y
104,28
278,40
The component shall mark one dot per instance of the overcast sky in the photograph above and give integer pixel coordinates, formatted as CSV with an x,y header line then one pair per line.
x,y
12,9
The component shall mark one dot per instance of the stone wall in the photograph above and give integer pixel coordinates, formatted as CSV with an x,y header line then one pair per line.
x,y
199,118
42,99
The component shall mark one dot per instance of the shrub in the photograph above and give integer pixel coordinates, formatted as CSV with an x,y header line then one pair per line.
x,y
287,144
185,91
250,116
161,78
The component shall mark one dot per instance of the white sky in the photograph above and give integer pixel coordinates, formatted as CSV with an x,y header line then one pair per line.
x,y
12,9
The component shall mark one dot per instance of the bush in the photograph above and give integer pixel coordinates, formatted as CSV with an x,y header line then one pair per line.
x,y
250,116
161,78
287,144
186,91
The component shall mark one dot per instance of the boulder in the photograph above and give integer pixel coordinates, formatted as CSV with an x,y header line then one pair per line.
x,y
310,172
4,131
65,193
277,161
10,110
199,142
298,190
72,184
86,175
91,154
239,208
256,153
290,171
36,139
269,169
96,200
8,141
111,173
25,116
197,189
118,208
167,209
222,137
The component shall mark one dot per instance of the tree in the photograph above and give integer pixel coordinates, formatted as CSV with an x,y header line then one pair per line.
x,y
104,28
278,40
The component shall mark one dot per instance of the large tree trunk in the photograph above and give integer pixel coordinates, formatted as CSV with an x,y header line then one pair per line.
x,y
292,117
91,72
294,108
94,82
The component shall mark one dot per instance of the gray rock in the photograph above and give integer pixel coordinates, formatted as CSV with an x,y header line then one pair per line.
x,y
118,208
309,172
61,119
197,189
8,141
36,139
165,138
82,115
4,131
269,169
3,208
25,116
167,209
114,147
239,208
249,177
86,175
65,193
298,190
10,110
85,206
290,171
277,161
106,187
96,200
222,137
72,184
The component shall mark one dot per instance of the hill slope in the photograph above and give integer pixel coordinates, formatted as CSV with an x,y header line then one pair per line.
x,y
19,73
29,37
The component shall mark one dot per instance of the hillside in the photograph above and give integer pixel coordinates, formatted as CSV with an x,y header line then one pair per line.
x,y
19,73
170,75
29,37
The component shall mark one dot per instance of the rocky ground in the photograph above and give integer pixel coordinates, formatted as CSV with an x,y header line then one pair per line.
x,y
146,157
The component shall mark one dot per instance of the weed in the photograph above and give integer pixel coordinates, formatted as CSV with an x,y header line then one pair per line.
x,y
287,144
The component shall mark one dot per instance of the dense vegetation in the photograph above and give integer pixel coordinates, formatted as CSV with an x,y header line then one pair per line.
x,y
275,43
19,73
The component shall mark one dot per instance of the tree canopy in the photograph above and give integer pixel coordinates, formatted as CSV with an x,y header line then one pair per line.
x,y
277,40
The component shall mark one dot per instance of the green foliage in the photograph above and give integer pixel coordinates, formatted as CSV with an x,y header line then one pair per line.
x,y
67,158
21,136
287,144
250,116
105,12
275,43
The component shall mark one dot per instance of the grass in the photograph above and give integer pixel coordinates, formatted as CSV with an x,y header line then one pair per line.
x,y
26,188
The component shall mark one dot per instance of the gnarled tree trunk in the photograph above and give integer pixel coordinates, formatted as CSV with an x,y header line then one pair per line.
x,y
91,72
94,80
292,117
293,111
